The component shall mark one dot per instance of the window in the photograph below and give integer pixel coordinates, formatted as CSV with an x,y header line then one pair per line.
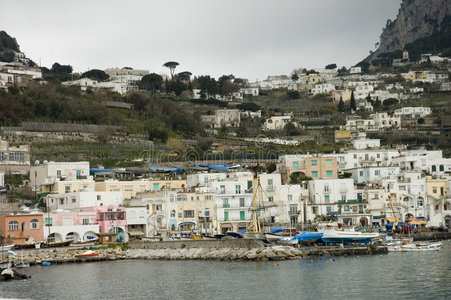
x,y
197,198
156,186
329,173
326,189
328,209
346,208
295,165
270,198
99,197
208,197
361,173
34,224
188,213
328,163
293,209
181,197
241,202
13,225
180,215
222,189
225,202
327,198
207,212
270,184
314,174
434,190
67,188
290,197
237,189
249,184
74,200
420,201
192,198
434,168
343,197
85,220
377,172
48,221
61,201
58,173
314,162
355,156
173,214
110,217
24,226
226,216
314,210
2,156
378,155
242,215
442,168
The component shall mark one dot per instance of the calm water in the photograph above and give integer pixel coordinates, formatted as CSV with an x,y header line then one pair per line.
x,y
414,275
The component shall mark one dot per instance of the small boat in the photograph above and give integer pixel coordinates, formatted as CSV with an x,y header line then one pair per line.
x,y
59,244
7,247
87,254
338,235
307,237
272,238
234,234
84,243
36,245
411,247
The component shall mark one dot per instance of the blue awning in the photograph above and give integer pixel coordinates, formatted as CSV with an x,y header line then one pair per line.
x,y
185,223
222,167
93,171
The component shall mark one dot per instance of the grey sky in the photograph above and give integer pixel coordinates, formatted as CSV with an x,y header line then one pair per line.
x,y
247,38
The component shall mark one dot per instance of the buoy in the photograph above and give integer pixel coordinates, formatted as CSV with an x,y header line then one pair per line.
x,y
276,265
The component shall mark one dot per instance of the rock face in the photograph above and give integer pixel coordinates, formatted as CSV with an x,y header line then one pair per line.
x,y
416,19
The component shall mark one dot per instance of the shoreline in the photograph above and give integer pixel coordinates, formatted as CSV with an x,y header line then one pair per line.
x,y
253,252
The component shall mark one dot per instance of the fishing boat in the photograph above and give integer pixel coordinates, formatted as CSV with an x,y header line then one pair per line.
x,y
339,235
87,254
307,237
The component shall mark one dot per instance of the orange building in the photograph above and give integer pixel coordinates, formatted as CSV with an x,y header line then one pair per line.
x,y
17,229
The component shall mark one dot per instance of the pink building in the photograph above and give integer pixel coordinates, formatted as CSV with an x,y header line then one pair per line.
x,y
110,219
77,226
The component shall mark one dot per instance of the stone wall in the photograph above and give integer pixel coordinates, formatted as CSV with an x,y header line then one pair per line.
x,y
232,243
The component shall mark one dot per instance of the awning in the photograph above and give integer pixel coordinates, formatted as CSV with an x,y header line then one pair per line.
x,y
391,220
185,223
418,222
136,233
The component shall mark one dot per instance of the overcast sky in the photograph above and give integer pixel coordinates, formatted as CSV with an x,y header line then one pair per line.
x,y
247,38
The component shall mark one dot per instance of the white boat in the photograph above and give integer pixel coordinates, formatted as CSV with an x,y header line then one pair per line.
x,y
6,247
338,235
272,238
410,247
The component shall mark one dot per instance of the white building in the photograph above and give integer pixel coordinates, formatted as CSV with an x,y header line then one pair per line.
x,y
49,172
323,88
276,122
412,112
77,200
366,143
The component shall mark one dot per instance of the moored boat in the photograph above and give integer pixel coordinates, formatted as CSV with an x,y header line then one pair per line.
x,y
7,247
338,235
58,244
410,247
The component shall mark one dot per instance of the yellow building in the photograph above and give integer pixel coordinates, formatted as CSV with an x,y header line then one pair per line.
x,y
314,167
196,210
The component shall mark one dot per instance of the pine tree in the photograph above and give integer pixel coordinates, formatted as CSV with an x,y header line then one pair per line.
x,y
341,105
353,103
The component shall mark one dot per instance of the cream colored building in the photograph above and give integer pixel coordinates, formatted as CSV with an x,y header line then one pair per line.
x,y
49,173
14,159
197,211
130,189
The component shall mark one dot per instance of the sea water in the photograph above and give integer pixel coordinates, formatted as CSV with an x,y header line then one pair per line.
x,y
406,275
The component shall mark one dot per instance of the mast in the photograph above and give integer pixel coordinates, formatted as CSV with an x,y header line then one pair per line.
x,y
254,226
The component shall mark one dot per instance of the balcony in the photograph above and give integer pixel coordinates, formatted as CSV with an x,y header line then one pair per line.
x,y
226,205
81,177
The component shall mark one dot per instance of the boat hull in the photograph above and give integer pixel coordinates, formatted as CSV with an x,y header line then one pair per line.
x,y
340,236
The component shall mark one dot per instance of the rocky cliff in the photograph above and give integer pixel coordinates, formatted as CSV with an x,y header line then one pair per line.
x,y
416,20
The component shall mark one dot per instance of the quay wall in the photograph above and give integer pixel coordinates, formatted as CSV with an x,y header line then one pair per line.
x,y
432,236
208,244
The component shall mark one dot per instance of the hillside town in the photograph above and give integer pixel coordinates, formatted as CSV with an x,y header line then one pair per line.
x,y
366,183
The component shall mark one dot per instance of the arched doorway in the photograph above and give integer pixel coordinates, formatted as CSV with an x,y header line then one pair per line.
x,y
54,238
73,236
120,234
364,221
448,221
